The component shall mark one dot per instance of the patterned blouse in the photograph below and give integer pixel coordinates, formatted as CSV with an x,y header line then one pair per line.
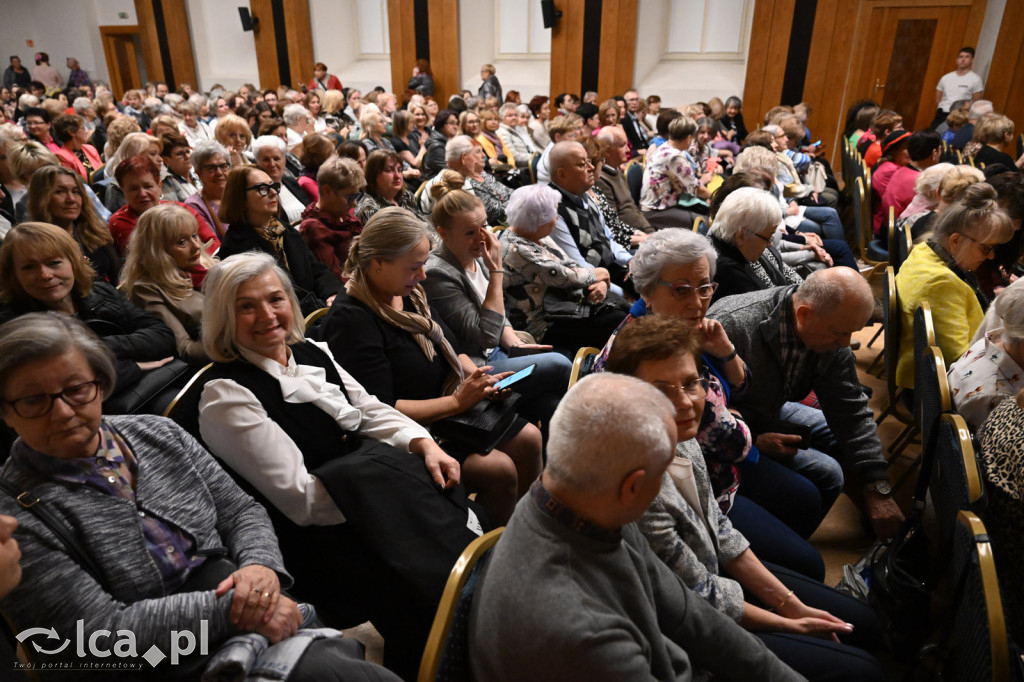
x,y
621,232
983,377
367,205
663,166
494,195
531,268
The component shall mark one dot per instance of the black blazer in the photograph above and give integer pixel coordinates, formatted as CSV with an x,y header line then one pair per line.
x,y
309,276
735,276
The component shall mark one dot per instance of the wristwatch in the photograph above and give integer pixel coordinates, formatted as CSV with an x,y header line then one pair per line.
x,y
881,487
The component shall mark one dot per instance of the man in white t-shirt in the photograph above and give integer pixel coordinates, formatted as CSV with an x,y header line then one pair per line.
x,y
962,84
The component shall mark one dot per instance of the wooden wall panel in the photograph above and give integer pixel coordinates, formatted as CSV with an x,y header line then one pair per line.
x,y
150,40
299,30
179,42
567,50
265,37
828,67
766,60
443,18
402,41
1006,74
618,47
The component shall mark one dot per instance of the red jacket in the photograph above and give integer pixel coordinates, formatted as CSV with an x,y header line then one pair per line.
x,y
332,83
123,221
327,238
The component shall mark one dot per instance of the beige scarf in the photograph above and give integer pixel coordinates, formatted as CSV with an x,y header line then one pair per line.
x,y
418,322
273,234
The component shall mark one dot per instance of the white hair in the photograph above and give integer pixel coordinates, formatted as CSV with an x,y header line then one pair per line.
x,y
669,247
457,146
606,426
979,108
207,149
531,206
81,104
28,100
293,112
928,180
1009,306
747,210
268,142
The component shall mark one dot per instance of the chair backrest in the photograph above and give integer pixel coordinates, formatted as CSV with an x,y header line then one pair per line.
x,y
446,656
700,224
176,405
313,322
583,364
981,647
901,249
892,326
924,327
859,199
534,161
931,393
635,178
956,482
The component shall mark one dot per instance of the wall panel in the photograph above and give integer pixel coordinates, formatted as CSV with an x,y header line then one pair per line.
x,y
1005,78
618,44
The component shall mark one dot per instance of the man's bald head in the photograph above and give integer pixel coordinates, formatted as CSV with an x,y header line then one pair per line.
x,y
830,306
570,167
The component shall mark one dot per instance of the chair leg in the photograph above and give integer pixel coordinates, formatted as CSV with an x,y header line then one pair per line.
x,y
878,333
880,356
903,440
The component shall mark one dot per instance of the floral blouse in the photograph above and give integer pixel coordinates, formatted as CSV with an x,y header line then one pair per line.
x,y
494,196
621,232
984,376
531,268
666,163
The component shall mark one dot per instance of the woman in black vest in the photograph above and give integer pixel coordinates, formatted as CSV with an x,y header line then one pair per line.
x,y
336,468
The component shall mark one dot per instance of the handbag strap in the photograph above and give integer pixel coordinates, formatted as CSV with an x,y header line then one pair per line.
x,y
35,504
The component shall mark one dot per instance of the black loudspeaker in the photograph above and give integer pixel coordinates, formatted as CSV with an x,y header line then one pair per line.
x,y
249,22
550,14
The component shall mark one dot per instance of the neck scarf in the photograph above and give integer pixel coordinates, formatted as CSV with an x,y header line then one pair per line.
x,y
417,322
967,277
273,234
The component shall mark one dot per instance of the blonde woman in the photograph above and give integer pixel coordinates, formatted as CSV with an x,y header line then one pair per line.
x,y
164,272
233,132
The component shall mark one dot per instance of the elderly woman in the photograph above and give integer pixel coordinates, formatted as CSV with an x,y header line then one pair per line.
x,y
465,287
318,449
188,545
557,301
952,186
191,126
210,161
313,151
57,196
941,273
139,179
465,155
134,144
372,129
926,194
671,191
673,272
75,152
250,206
382,330
163,274
271,155
797,618
41,268
488,138
329,223
233,132
742,234
385,186
996,135
990,371
177,179
446,126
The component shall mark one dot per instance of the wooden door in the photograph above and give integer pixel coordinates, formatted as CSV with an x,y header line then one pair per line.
x,y
904,47
122,58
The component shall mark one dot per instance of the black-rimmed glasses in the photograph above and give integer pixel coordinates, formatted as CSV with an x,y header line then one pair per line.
x,y
35,406
264,188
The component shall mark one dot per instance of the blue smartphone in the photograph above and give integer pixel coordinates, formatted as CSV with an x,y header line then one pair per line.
x,y
515,378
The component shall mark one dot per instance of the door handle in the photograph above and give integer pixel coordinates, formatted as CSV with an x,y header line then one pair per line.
x,y
879,85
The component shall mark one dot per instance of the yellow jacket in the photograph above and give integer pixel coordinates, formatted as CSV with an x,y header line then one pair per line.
x,y
955,309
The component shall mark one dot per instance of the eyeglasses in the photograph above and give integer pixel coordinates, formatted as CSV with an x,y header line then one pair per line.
x,y
215,167
183,154
264,188
767,240
350,197
986,249
695,390
35,406
684,291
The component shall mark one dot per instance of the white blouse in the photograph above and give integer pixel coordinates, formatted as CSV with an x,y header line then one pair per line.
x,y
238,430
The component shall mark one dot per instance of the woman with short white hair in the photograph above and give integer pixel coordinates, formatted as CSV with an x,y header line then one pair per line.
x,y
270,153
742,233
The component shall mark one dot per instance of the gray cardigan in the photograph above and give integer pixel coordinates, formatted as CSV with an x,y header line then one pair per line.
x,y
178,481
752,322
453,299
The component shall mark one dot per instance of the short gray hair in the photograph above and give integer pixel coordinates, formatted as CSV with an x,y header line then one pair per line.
x,y
929,180
207,149
293,112
1009,306
979,108
757,158
41,336
220,288
531,206
81,105
606,426
457,146
747,210
674,246
507,107
267,142
833,289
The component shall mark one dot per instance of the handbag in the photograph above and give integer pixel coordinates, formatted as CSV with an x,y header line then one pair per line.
x,y
564,304
482,426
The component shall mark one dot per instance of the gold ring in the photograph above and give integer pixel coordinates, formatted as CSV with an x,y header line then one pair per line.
x,y
267,595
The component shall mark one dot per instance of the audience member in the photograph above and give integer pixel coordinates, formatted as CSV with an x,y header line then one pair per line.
x,y
671,194
574,582
178,181
611,180
796,340
75,152
923,149
329,223
211,164
446,126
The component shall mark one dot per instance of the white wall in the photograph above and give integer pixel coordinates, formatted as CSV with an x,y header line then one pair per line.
x,y
986,46
351,38
224,53
480,31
